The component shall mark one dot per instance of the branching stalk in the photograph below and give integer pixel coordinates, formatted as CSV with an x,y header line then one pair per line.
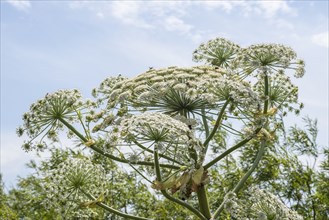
x,y
216,127
244,178
100,151
161,155
112,210
230,150
165,193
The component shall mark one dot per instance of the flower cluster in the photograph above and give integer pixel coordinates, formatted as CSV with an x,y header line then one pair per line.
x,y
265,57
171,90
218,52
153,127
261,205
282,93
266,204
47,115
227,88
70,183
107,85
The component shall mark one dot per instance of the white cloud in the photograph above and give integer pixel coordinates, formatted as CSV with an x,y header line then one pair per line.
x,y
173,15
22,5
271,8
146,15
129,13
227,6
268,9
321,39
173,23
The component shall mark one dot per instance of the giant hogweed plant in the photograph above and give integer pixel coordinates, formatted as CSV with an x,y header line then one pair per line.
x,y
163,123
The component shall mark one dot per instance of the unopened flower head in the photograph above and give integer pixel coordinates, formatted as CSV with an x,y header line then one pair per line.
x,y
46,115
218,52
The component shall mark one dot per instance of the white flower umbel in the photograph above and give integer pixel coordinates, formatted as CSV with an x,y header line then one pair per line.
x,y
172,90
259,205
218,52
69,184
283,95
265,203
46,116
266,57
140,133
154,127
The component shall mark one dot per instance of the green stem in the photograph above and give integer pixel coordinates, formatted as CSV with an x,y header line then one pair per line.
x,y
204,121
230,150
266,94
112,210
244,178
165,193
100,151
252,168
161,155
203,201
217,124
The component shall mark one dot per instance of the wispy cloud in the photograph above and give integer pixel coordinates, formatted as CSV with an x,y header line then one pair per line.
x,y
321,39
129,13
146,15
173,15
271,9
268,9
226,6
22,5
173,23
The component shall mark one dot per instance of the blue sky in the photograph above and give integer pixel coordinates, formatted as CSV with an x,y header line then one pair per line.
x,y
51,45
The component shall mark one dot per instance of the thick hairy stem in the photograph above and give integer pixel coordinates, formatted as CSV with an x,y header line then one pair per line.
x,y
100,151
203,201
114,211
216,127
230,150
165,193
245,177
